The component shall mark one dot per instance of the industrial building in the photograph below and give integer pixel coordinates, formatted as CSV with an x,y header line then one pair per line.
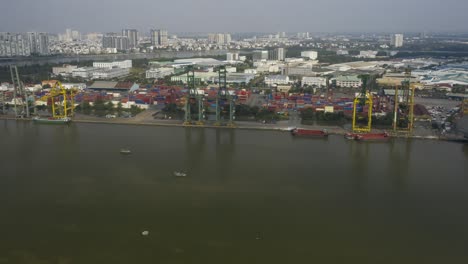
x,y
65,69
342,52
368,54
106,73
351,81
114,86
159,73
250,71
314,81
395,79
197,61
312,55
100,73
276,79
83,72
233,77
119,64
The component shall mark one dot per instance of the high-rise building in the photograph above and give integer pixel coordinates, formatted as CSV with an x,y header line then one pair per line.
x,y
159,37
38,43
163,37
132,35
232,56
227,38
68,33
75,35
211,38
154,35
113,40
303,35
219,38
4,35
13,45
43,43
259,55
282,34
397,40
94,36
277,54
32,40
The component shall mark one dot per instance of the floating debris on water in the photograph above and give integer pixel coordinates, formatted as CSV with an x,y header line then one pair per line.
x,y
145,233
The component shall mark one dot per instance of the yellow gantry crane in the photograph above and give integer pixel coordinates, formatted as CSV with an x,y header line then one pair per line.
x,y
62,101
465,107
403,119
363,99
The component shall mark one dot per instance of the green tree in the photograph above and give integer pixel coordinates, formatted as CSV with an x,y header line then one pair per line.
x,y
308,114
86,108
135,110
119,108
99,108
110,108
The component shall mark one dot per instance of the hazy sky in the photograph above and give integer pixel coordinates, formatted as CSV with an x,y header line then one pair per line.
x,y
235,15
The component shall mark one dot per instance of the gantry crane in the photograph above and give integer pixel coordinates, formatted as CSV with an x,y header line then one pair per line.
x,y
465,107
329,90
62,101
403,118
193,97
19,93
364,98
224,96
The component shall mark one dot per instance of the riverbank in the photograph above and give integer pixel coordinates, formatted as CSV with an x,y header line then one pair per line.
x,y
332,130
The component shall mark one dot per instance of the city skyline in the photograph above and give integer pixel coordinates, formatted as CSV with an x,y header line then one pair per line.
x,y
241,16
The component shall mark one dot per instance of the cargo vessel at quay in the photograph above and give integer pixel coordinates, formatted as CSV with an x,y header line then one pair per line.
x,y
52,120
368,136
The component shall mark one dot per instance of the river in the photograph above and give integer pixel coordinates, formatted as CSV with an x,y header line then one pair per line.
x,y
21,61
68,196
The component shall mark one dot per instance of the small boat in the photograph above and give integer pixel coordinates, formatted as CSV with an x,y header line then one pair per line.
x,y
309,132
373,136
52,120
179,174
350,136
125,151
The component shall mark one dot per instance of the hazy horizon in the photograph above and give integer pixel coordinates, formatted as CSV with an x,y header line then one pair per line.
x,y
241,16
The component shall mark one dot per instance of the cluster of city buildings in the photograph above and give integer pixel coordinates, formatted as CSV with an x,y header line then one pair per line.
x,y
16,44
74,42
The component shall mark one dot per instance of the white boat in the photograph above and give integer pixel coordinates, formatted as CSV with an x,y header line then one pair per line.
x,y
179,174
125,151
